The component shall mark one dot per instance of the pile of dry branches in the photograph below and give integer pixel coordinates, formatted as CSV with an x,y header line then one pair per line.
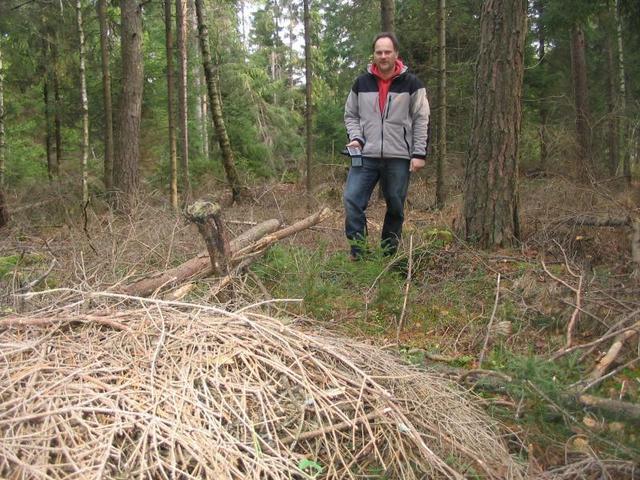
x,y
168,390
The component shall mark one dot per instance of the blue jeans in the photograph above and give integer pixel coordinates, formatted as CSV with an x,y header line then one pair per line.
x,y
393,174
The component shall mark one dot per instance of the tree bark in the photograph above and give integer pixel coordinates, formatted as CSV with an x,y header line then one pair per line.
x,y
181,30
543,109
387,15
4,211
308,114
51,164
580,93
130,111
84,105
201,115
208,218
106,96
173,155
57,103
490,185
613,133
603,364
2,134
622,99
215,106
441,192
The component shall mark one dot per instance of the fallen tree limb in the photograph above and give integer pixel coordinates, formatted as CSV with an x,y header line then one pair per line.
x,y
614,350
254,241
598,221
630,411
496,382
18,322
199,265
272,238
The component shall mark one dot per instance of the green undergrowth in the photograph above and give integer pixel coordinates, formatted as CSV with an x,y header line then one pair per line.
x,y
12,263
449,305
547,413
367,293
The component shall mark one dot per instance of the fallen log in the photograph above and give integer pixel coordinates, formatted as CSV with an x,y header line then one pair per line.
x,y
496,382
197,266
272,238
253,241
614,350
598,221
626,410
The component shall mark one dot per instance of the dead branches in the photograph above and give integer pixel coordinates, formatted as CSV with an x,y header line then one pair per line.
x,y
199,394
578,293
603,365
199,265
250,244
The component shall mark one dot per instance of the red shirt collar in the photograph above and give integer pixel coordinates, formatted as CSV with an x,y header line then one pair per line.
x,y
397,70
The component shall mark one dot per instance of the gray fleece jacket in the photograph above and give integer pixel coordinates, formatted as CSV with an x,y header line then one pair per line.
x,y
401,129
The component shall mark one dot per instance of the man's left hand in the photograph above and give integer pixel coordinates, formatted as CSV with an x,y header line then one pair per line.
x,y
416,164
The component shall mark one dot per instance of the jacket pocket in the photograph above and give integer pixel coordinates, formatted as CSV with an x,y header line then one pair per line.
x,y
404,133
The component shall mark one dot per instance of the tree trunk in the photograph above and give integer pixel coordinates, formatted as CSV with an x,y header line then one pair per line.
x,y
181,30
57,104
580,93
308,97
622,99
84,106
441,193
51,165
4,212
543,109
130,111
387,15
215,106
106,96
46,97
612,120
290,79
201,116
173,155
2,134
490,184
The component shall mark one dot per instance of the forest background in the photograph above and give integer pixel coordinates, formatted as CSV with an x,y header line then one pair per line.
x,y
236,110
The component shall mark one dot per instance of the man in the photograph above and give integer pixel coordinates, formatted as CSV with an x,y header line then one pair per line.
x,y
387,116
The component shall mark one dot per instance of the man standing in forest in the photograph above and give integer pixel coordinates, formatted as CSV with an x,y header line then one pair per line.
x,y
387,120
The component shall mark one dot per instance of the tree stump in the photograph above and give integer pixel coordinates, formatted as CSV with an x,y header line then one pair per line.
x,y
208,218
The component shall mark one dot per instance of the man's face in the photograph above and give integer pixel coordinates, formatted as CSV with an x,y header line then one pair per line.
x,y
384,55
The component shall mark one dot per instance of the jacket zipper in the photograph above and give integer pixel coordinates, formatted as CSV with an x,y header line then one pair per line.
x,y
382,124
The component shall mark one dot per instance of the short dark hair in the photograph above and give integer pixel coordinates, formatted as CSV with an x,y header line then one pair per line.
x,y
391,36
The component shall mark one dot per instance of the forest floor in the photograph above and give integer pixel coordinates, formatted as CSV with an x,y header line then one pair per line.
x,y
440,303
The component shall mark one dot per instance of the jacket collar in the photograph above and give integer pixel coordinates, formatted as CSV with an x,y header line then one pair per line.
x,y
400,69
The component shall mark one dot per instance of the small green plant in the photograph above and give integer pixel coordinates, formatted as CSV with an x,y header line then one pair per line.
x,y
310,467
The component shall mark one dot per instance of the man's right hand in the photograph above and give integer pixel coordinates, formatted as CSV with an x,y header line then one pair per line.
x,y
354,143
